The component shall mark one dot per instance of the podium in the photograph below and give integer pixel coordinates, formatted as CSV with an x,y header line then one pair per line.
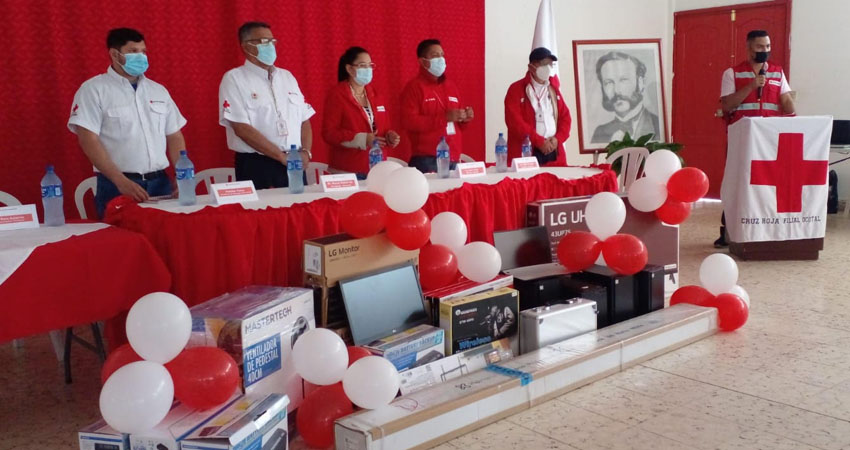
x,y
775,187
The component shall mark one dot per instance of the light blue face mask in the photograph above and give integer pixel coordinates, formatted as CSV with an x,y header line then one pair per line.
x,y
437,67
266,54
364,76
135,64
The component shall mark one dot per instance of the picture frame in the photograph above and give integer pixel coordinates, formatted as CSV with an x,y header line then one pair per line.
x,y
619,89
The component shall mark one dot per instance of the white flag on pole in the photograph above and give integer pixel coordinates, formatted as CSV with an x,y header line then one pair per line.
x,y
544,33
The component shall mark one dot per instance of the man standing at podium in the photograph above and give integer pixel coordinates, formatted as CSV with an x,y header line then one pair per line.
x,y
754,88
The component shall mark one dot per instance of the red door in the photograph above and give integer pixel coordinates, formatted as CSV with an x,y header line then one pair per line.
x,y
707,42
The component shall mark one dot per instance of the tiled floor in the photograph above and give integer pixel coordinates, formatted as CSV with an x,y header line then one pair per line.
x,y
781,382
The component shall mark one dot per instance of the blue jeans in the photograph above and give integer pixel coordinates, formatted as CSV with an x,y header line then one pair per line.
x,y
106,190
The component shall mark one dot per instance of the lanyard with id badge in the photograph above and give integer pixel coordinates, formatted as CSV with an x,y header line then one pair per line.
x,y
282,130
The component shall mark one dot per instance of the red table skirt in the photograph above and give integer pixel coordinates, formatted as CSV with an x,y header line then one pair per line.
x,y
220,249
83,279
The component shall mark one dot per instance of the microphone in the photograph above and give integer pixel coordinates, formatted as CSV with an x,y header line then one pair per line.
x,y
761,72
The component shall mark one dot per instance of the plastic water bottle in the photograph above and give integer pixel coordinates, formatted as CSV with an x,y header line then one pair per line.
x,y
501,154
295,170
185,171
52,199
376,155
526,147
443,158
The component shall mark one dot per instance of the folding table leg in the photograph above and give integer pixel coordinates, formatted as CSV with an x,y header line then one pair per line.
x,y
98,342
69,335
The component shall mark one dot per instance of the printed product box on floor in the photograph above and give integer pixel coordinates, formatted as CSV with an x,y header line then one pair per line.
x,y
436,414
463,288
251,422
480,319
258,326
100,436
179,423
454,366
411,348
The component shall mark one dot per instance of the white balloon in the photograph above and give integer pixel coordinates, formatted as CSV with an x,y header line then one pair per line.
x,y
660,165
320,356
646,194
449,229
377,176
740,292
406,190
718,273
371,382
137,397
605,214
479,261
158,326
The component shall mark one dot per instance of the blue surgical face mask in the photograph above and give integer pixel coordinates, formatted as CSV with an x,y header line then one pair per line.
x,y
437,67
135,64
364,76
266,54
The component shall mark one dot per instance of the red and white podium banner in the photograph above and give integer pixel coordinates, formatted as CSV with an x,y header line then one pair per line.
x,y
775,182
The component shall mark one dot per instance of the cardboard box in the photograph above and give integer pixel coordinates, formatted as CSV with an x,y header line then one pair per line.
x,y
462,288
100,436
560,216
454,366
179,423
258,326
249,422
479,319
332,258
436,414
414,347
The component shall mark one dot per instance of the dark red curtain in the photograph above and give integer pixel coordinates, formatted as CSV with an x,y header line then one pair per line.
x,y
52,46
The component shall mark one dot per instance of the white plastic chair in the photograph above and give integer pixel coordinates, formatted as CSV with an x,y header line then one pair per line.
x,y
8,199
400,161
316,170
466,158
214,176
89,184
631,159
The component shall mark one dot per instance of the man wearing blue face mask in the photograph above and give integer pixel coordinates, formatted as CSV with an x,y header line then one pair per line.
x,y
431,108
263,111
127,125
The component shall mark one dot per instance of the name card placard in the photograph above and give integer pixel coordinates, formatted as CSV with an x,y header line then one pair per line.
x,y
471,169
527,164
340,182
18,217
235,192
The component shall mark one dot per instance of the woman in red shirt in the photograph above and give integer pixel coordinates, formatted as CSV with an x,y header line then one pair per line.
x,y
355,115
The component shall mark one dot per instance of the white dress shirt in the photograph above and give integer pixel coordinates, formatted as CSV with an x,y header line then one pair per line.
x,y
131,123
544,113
248,94
727,85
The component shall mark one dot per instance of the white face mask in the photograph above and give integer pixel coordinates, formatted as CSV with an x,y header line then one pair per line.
x,y
543,72
437,66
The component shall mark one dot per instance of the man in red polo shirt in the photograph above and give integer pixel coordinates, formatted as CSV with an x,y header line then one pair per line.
x,y
754,88
431,108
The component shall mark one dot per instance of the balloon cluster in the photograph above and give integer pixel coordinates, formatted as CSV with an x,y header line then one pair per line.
x,y
605,214
718,275
142,378
344,375
667,188
394,201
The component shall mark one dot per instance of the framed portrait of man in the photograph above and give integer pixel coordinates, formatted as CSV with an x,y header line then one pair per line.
x,y
619,90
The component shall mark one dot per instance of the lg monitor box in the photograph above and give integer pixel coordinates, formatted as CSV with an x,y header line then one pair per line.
x,y
258,326
479,319
251,422
100,436
411,348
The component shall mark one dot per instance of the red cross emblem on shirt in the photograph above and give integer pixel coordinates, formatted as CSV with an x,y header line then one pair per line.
x,y
225,105
789,173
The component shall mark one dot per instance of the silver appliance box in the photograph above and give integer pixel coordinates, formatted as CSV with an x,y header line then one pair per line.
x,y
546,325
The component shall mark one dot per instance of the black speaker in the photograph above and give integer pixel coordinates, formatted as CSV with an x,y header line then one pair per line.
x,y
573,288
649,289
622,304
539,291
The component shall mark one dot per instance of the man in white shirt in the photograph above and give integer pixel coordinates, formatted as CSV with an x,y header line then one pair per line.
x,y
264,112
127,125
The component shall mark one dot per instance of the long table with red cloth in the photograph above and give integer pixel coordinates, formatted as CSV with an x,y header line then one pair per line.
x,y
79,280
219,249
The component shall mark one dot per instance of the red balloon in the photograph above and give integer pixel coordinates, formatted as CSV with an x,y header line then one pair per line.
x,y
695,295
363,214
624,254
673,212
687,185
732,311
355,353
437,266
119,358
204,377
578,250
408,231
317,413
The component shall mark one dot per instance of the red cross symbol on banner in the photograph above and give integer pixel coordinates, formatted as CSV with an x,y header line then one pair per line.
x,y
789,173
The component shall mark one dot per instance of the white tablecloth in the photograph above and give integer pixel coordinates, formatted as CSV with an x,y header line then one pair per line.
x,y
17,245
278,198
